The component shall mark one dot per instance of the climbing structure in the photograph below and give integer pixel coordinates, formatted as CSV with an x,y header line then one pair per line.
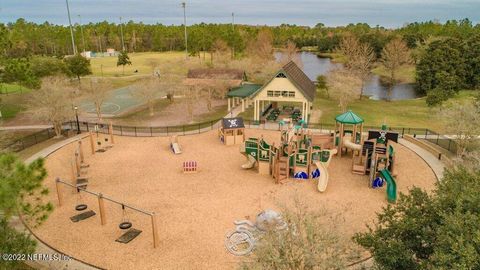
x,y
295,157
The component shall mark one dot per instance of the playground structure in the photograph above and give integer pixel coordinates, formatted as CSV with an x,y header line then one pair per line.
x,y
201,207
124,224
296,157
348,138
174,145
374,157
232,131
99,146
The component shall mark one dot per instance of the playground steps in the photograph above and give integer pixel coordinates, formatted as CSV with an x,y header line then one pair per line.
x,y
358,169
282,167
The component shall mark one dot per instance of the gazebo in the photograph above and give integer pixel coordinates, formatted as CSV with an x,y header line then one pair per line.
x,y
348,118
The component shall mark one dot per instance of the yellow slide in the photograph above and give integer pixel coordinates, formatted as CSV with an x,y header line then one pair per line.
x,y
251,162
323,179
347,142
322,167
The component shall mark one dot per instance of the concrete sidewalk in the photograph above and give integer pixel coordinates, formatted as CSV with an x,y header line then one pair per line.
x,y
25,127
432,161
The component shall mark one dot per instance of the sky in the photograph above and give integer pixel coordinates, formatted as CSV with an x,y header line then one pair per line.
x,y
388,13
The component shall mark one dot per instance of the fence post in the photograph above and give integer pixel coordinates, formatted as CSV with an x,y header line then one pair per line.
x,y
135,128
88,129
183,127
121,130
199,128
426,133
151,135
403,132
167,130
438,136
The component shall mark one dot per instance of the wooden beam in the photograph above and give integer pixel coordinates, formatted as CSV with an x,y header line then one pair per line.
x,y
154,231
59,192
101,206
110,130
92,143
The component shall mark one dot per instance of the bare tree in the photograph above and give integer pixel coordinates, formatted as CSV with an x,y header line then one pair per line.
x,y
290,53
262,46
360,58
311,241
148,91
211,91
395,55
98,92
52,102
343,86
461,121
221,52
190,98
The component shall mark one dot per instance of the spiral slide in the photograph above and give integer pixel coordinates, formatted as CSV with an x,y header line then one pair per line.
x,y
347,142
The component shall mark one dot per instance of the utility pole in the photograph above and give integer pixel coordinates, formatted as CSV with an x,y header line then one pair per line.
x,y
81,30
71,29
185,28
233,35
121,33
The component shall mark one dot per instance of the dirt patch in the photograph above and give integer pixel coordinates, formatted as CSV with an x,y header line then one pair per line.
x,y
196,210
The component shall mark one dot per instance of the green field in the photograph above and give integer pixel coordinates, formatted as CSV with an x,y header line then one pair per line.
x,y
6,88
142,62
412,113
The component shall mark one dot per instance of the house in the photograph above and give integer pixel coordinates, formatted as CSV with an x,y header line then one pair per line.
x,y
289,85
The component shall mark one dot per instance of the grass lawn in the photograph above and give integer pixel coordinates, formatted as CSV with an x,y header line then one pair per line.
x,y
6,88
412,113
143,62
405,74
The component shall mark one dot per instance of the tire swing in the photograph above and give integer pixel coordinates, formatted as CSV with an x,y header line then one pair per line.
x,y
80,205
125,224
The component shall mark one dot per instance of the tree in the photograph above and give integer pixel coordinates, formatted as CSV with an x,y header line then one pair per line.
x,y
48,66
394,55
290,53
343,86
261,47
441,71
21,193
147,91
461,120
360,58
98,93
53,102
430,231
220,50
310,242
215,90
78,66
123,59
19,70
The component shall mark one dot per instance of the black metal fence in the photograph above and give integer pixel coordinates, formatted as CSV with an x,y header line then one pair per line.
x,y
30,140
134,131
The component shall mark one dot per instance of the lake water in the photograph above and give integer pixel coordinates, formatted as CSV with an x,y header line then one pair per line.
x,y
314,66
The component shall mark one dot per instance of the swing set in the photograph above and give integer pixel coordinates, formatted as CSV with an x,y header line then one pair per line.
x,y
125,222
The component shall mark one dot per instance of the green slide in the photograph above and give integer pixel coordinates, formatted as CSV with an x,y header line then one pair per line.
x,y
391,186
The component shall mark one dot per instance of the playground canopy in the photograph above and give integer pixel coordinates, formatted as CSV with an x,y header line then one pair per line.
x,y
349,117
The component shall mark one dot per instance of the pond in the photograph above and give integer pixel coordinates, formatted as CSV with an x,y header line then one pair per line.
x,y
374,88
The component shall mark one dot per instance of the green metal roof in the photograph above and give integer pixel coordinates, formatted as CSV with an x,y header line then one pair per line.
x,y
244,91
349,117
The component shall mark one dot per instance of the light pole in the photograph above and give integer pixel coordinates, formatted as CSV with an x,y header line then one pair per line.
x,y
233,35
121,33
81,30
76,117
71,29
185,29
